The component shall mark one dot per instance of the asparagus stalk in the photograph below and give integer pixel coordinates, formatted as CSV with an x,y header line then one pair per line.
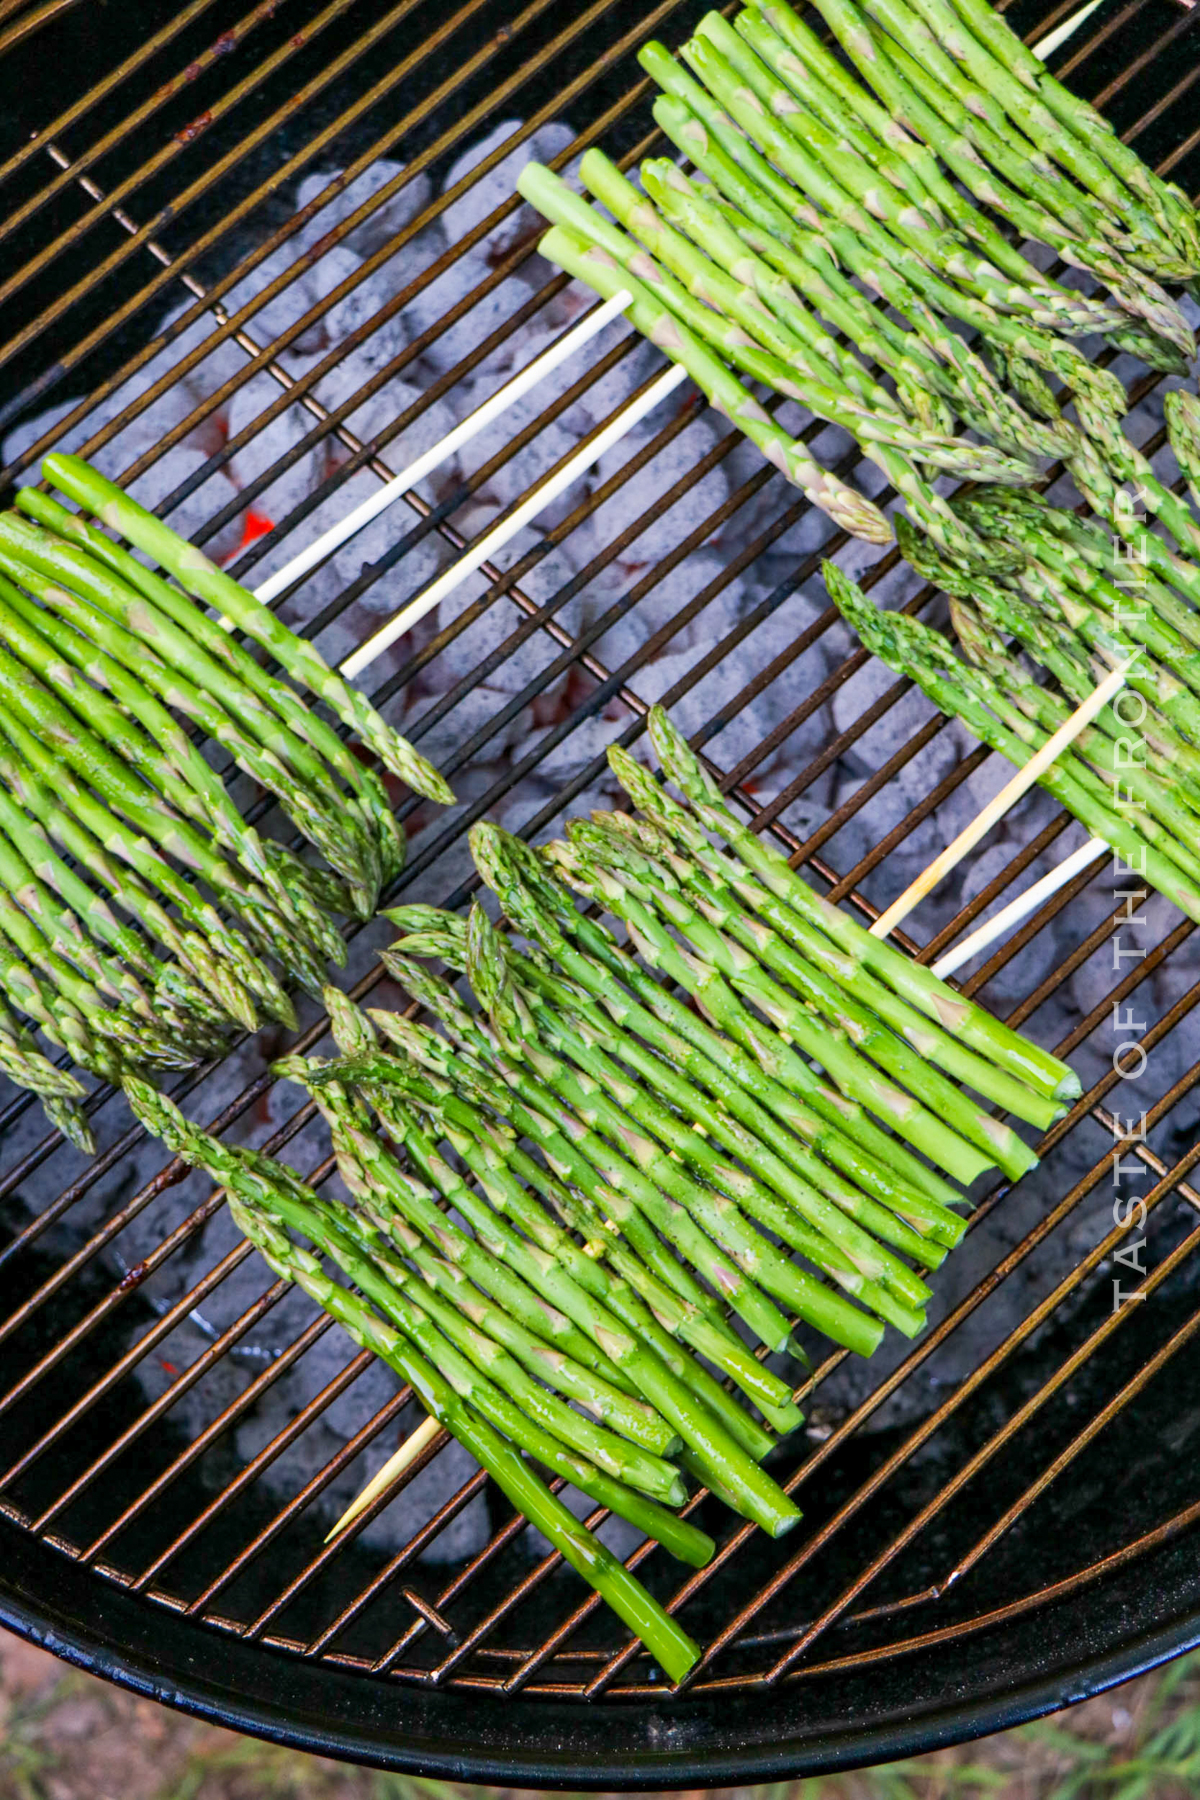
x,y
480,1329
1009,1049
620,870
820,1308
262,1205
24,1064
1038,628
65,931
912,251
500,1166
1068,582
495,1161
704,1231
755,297
93,838
68,581
930,26
758,1496
124,664
722,910
46,719
192,642
767,213
786,45
1040,201
1167,821
582,1041
489,1259
1170,205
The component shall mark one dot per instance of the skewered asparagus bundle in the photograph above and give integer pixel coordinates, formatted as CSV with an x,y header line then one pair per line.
x,y
815,176
458,1386
99,658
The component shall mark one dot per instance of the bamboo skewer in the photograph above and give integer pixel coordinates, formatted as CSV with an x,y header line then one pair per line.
x,y
393,1468
996,808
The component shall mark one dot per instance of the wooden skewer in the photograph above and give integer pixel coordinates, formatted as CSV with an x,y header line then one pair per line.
x,y
393,1468
996,808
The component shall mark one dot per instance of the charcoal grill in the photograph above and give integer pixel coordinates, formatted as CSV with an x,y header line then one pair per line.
x,y
999,1519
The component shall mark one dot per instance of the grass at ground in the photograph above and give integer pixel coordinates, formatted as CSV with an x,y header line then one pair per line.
x,y
67,1736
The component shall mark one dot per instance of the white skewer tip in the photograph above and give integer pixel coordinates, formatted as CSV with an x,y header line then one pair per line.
x,y
1018,910
393,1468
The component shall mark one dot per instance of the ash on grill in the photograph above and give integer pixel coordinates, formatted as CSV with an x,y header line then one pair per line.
x,y
197,482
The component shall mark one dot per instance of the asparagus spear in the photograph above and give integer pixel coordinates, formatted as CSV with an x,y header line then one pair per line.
x,y
1183,430
193,643
24,1064
912,252
753,1492
790,366
1169,204
162,753
44,717
786,45
1122,624
58,1090
493,1258
65,931
137,635
1166,820
500,1166
125,666
616,1192
829,1242
108,1035
705,222
704,1231
1087,540
1040,201
721,908
930,26
631,1293
479,1329
262,1204
200,577
620,871
741,284
761,203
203,950
1009,1049
1038,628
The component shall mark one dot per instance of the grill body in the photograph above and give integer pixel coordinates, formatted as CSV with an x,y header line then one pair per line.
x,y
1000,1518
